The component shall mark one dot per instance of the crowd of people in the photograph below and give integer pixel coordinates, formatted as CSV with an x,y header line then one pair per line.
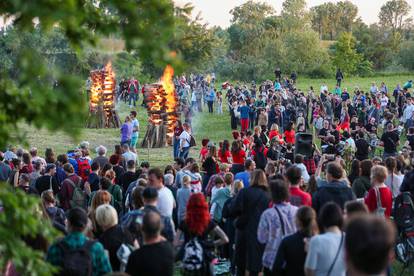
x,y
262,203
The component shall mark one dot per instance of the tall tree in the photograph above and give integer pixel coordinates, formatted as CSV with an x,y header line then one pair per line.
x,y
295,14
345,55
347,15
394,15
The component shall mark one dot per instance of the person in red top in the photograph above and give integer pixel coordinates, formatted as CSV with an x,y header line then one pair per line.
x,y
378,176
224,153
204,150
297,196
289,134
274,132
27,164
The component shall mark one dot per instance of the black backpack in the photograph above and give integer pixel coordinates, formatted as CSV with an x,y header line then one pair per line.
x,y
403,212
260,158
76,261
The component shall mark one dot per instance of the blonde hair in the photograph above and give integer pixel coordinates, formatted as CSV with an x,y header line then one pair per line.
x,y
379,173
237,186
186,178
274,127
106,216
110,174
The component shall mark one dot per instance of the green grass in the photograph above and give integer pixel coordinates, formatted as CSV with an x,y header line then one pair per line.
x,y
213,126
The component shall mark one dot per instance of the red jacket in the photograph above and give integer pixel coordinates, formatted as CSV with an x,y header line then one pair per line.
x,y
66,192
386,200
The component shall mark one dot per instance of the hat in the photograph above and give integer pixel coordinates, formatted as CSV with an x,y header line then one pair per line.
x,y
77,217
150,193
50,167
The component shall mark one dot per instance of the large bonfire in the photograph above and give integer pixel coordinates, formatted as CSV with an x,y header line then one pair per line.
x,y
162,106
102,113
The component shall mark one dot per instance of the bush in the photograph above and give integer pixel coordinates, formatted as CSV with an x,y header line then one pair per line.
x,y
406,55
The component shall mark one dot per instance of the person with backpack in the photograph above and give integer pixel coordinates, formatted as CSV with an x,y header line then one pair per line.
x,y
75,254
56,215
71,194
114,235
156,256
379,197
276,223
185,140
84,167
196,253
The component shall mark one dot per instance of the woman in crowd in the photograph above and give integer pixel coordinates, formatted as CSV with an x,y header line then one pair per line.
x,y
197,224
275,223
379,198
224,153
126,131
289,134
50,156
247,208
55,214
27,164
326,251
394,179
113,235
291,255
210,165
101,197
238,157
355,171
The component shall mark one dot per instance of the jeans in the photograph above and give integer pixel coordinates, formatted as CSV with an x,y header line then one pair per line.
x,y
184,153
132,97
386,155
176,147
210,106
338,82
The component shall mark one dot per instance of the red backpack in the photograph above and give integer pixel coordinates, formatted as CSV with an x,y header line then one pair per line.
x,y
84,168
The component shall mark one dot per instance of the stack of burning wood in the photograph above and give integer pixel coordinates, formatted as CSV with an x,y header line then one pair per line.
x,y
102,113
162,107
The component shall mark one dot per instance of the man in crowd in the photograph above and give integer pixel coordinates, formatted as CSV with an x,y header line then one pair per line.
x,y
101,158
5,169
166,202
135,130
297,196
335,190
156,256
62,253
390,140
249,167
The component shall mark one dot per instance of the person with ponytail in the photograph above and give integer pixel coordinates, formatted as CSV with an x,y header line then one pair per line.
x,y
291,255
198,224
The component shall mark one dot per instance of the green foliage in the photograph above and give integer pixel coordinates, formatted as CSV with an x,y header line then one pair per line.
x,y
393,15
406,55
345,55
127,65
20,217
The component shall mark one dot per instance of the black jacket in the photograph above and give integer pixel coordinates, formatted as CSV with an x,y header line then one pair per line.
x,y
335,191
408,183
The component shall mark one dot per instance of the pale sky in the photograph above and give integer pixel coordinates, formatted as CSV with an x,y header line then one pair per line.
x,y
216,12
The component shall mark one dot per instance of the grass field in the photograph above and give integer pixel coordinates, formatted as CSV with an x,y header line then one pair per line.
x,y
216,127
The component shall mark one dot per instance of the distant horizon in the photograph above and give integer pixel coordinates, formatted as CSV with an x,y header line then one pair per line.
x,y
217,12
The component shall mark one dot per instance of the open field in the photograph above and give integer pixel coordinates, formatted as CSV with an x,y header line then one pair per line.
x,y
216,127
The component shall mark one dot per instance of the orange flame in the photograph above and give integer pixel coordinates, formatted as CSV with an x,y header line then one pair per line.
x,y
103,88
170,99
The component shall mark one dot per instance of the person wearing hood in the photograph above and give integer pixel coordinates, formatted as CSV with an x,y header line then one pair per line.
x,y
335,190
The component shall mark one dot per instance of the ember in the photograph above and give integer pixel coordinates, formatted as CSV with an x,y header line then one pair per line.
x,y
102,112
162,107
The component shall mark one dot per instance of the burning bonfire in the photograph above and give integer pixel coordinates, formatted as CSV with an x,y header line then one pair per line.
x,y
162,106
102,112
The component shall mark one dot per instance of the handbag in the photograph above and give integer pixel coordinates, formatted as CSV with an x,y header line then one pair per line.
x,y
380,211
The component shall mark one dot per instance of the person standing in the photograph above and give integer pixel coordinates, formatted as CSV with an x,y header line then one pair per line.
x,y
135,130
210,99
126,131
97,264
379,198
390,140
5,169
156,256
133,92
185,138
339,77
244,116
275,223
247,208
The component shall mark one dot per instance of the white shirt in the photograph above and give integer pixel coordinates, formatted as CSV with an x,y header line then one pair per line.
x,y
185,139
384,101
408,112
322,252
394,184
324,88
165,202
129,155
